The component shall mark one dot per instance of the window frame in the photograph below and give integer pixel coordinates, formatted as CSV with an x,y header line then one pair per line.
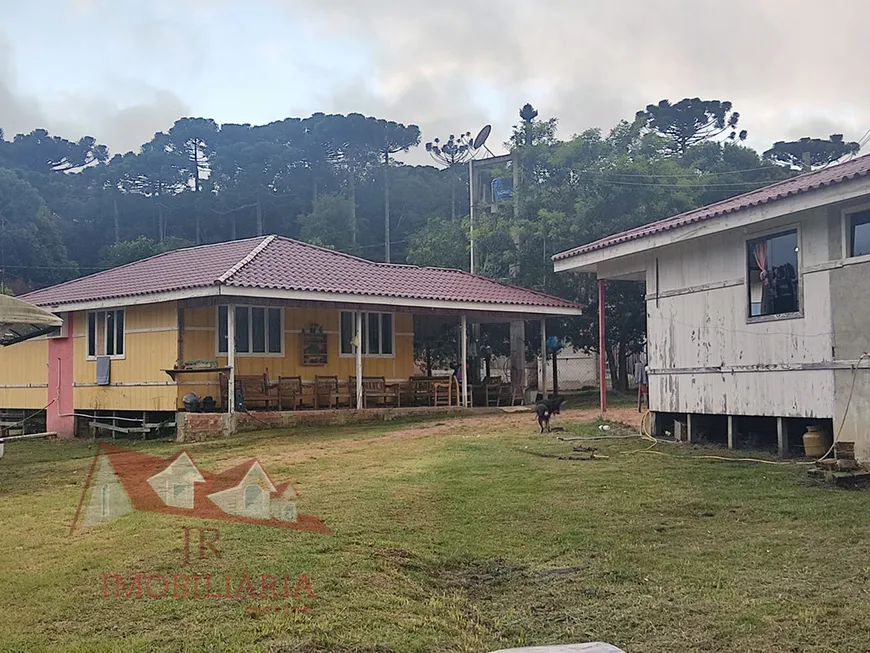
x,y
747,289
266,334
352,354
104,328
847,233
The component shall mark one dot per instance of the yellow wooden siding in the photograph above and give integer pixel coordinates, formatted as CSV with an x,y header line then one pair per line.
x,y
200,342
24,364
137,380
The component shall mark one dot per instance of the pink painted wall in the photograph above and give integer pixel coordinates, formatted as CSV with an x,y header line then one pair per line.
x,y
59,416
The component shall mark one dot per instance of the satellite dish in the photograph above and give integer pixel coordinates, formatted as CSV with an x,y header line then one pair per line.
x,y
481,137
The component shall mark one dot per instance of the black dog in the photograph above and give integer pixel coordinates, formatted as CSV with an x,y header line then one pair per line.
x,y
545,408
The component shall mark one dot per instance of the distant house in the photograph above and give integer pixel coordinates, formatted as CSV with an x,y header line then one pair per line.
x,y
757,307
122,481
136,339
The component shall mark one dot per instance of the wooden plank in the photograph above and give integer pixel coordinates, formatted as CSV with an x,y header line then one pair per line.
x,y
119,429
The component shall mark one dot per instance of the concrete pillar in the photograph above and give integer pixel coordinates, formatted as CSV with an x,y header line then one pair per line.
x,y
518,357
655,424
59,414
782,436
231,359
463,344
359,367
731,431
679,431
542,381
602,344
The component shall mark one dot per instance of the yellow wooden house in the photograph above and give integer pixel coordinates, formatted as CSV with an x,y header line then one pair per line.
x,y
138,338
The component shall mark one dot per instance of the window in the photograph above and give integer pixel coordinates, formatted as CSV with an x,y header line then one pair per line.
x,y
772,263
377,333
259,330
859,233
106,333
253,496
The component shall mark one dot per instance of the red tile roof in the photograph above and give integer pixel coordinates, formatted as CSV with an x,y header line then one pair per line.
x,y
831,176
278,263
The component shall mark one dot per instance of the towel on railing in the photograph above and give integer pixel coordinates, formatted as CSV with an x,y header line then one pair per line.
x,y
103,367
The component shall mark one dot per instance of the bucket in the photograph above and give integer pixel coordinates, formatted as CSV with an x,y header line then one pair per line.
x,y
816,442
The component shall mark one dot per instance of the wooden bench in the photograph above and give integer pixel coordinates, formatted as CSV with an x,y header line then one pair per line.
x,y
375,387
254,389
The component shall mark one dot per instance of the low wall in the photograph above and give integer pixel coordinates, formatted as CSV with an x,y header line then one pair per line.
x,y
195,427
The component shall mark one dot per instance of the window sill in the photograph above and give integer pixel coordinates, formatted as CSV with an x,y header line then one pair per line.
x,y
853,260
114,358
776,317
367,355
240,354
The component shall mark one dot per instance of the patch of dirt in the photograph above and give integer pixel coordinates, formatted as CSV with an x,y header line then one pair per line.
x,y
476,424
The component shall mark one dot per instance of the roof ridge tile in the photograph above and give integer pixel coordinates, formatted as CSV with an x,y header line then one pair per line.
x,y
226,276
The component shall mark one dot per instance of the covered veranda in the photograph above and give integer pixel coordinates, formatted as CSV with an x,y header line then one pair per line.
x,y
309,387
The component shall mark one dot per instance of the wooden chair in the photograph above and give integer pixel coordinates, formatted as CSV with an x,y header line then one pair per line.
x,y
420,389
289,392
324,386
441,393
491,391
255,390
375,387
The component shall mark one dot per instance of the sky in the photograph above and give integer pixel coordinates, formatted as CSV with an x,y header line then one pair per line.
x,y
121,70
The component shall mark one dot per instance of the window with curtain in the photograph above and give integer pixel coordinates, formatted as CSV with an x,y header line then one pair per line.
x,y
377,333
259,330
772,272
106,333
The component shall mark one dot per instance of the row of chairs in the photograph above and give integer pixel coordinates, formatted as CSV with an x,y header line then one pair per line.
x,y
288,392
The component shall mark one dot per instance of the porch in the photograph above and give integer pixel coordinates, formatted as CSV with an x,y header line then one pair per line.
x,y
284,355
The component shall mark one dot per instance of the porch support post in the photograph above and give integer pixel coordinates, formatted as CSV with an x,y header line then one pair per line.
x,y
543,378
463,346
602,356
231,358
359,367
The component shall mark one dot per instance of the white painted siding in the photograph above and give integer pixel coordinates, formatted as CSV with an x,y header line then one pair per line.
x,y
705,357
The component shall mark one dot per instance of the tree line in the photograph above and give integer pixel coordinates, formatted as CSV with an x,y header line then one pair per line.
x,y
68,208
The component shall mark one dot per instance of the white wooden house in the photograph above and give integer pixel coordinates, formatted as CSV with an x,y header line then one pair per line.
x,y
757,306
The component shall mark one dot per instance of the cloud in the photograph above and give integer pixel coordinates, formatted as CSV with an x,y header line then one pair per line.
x,y
123,127
592,64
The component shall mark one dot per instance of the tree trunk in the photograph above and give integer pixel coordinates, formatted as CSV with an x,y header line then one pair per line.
x,y
452,195
611,365
117,220
351,184
161,226
622,364
387,206
259,220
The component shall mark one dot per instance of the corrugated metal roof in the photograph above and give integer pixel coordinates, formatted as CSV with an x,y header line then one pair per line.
x,y
830,176
278,263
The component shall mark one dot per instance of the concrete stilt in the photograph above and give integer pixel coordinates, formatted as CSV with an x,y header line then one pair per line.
x,y
731,431
782,436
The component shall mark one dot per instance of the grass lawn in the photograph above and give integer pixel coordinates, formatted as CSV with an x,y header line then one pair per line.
x,y
470,535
